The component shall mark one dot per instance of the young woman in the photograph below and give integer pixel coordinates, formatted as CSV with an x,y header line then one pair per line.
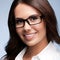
x,y
33,28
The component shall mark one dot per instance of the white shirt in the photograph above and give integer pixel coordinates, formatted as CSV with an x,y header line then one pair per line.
x,y
48,53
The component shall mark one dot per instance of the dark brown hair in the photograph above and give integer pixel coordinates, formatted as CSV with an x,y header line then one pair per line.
x,y
15,44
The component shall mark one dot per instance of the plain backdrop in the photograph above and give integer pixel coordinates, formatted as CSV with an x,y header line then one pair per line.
x,y
4,32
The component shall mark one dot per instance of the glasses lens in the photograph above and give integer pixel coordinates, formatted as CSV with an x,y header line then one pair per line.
x,y
34,20
19,22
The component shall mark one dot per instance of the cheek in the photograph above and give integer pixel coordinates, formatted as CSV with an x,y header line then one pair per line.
x,y
41,28
19,31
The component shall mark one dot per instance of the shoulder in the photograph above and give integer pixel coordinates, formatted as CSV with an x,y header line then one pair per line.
x,y
53,49
3,58
50,52
56,55
54,52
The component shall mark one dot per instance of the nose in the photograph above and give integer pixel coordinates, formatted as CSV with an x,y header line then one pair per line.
x,y
27,27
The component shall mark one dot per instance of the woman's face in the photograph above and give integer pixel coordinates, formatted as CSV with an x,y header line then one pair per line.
x,y
30,34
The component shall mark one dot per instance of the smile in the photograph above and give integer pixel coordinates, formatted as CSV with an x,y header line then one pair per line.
x,y
29,36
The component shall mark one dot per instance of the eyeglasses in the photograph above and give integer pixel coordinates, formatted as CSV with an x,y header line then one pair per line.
x,y
31,20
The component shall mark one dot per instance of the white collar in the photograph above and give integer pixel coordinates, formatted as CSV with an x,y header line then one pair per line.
x,y
48,53
20,55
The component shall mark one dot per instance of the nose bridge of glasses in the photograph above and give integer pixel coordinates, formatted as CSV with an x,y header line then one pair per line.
x,y
26,20
27,25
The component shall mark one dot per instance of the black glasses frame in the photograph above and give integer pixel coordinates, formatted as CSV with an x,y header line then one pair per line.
x,y
27,20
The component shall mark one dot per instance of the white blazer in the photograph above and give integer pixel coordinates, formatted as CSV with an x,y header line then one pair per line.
x,y
48,53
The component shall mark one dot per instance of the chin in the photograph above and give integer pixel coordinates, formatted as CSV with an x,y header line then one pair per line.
x,y
32,43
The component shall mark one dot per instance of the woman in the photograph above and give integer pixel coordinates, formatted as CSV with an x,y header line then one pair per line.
x,y
33,28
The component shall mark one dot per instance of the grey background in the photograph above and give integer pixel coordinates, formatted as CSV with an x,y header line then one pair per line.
x,y
4,10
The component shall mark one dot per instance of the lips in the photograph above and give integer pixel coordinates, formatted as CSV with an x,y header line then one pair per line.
x,y
29,36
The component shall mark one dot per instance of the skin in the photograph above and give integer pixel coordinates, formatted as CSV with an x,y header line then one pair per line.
x,y
33,36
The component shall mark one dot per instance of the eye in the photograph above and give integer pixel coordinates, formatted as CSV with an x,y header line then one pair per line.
x,y
33,18
19,21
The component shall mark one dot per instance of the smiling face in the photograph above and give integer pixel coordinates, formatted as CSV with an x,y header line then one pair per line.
x,y
30,34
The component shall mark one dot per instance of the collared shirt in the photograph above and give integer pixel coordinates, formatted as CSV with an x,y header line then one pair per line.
x,y
48,53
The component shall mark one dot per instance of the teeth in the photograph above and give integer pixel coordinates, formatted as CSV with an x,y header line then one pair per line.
x,y
29,35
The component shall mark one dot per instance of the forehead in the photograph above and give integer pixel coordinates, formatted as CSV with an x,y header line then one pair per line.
x,y
23,10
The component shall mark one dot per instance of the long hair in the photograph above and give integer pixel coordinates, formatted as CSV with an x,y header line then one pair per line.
x,y
15,44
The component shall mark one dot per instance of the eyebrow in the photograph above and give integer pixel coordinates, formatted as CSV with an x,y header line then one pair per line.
x,y
28,17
